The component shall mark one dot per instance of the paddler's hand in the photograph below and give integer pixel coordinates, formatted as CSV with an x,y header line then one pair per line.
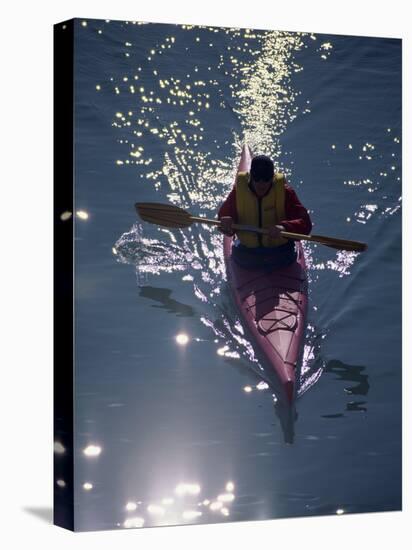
x,y
275,231
225,227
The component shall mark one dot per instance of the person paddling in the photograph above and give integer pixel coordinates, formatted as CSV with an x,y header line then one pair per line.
x,y
264,199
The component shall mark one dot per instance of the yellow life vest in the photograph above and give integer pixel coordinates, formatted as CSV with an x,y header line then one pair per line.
x,y
272,210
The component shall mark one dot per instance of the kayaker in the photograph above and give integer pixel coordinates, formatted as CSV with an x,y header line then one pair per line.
x,y
264,199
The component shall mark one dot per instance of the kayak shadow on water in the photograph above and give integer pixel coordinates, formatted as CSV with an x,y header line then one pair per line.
x,y
285,412
354,374
163,297
350,373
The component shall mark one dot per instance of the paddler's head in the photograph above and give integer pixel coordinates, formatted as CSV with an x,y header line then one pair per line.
x,y
261,174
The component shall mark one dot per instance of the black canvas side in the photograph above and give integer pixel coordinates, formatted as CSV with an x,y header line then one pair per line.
x,y
63,274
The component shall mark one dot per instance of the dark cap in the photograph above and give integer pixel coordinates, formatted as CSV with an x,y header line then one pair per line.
x,y
262,168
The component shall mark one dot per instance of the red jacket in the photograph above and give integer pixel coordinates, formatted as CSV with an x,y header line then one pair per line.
x,y
297,217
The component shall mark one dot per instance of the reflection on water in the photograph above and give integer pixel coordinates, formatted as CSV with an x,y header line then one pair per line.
x,y
92,450
182,339
82,214
133,522
184,507
187,489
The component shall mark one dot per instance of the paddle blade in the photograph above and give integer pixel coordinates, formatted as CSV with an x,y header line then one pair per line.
x,y
165,215
340,244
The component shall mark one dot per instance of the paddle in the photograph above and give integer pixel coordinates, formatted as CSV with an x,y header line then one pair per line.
x,y
171,216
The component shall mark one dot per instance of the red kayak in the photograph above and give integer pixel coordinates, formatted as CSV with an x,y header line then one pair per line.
x,y
273,305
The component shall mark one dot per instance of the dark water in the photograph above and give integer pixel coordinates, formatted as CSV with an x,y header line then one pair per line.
x,y
161,114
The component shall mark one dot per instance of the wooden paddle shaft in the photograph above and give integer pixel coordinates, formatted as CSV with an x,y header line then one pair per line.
x,y
239,227
340,244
